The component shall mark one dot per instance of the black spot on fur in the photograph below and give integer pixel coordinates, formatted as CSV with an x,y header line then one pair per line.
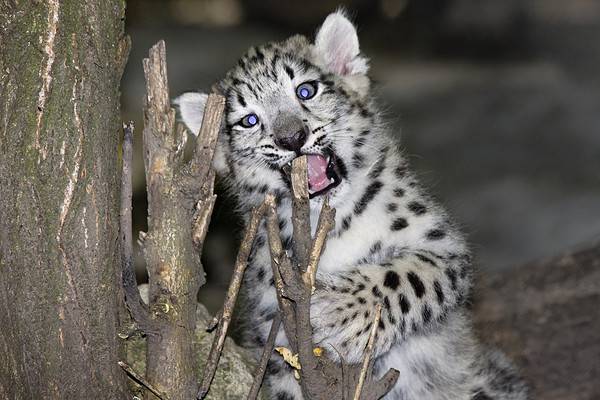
x,y
399,224
346,223
426,313
386,303
284,396
370,193
377,168
451,274
416,283
399,192
381,325
479,394
391,319
260,275
241,100
359,288
361,300
342,168
260,242
273,368
436,234
426,259
289,71
358,160
359,142
392,207
404,304
376,292
400,171
439,292
391,280
287,242
417,208
375,247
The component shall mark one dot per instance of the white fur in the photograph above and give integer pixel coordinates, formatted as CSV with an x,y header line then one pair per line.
x,y
191,110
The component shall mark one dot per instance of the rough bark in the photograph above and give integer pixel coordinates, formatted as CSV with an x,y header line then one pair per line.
x,y
180,202
545,315
60,66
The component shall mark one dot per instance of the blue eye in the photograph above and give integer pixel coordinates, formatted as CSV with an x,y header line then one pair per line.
x,y
249,121
306,90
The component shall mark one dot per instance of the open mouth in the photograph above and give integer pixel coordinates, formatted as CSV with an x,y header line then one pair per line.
x,y
323,173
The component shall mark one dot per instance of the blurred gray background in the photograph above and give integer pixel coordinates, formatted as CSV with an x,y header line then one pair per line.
x,y
497,103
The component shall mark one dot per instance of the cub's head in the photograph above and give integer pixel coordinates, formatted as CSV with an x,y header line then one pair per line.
x,y
291,98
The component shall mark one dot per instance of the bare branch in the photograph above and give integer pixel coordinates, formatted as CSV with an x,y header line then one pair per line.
x,y
279,261
367,366
264,359
300,212
232,292
141,380
325,225
133,300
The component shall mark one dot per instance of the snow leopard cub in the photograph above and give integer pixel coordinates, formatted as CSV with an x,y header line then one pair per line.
x,y
392,244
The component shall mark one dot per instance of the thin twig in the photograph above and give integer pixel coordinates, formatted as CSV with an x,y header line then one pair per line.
x,y
232,292
370,348
133,300
325,225
141,380
261,368
279,262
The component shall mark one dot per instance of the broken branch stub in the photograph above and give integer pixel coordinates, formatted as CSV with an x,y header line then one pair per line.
x,y
180,202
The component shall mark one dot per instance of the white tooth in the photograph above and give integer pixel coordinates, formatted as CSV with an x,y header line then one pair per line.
x,y
331,180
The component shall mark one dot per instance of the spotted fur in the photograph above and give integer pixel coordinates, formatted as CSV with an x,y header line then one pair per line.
x,y
392,245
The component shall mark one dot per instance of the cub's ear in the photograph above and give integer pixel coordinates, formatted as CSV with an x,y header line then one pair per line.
x,y
337,47
190,107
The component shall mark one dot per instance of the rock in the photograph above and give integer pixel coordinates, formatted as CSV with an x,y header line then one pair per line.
x,y
233,378
545,315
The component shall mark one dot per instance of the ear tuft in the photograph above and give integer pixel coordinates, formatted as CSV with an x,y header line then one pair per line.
x,y
191,110
337,46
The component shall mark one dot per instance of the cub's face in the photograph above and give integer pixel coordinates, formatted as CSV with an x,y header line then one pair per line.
x,y
289,99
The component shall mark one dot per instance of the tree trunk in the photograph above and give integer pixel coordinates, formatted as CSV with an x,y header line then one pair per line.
x,y
60,66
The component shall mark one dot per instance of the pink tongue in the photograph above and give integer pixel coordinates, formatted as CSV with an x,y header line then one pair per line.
x,y
317,175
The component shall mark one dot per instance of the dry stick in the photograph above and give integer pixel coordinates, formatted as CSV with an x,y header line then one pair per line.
x,y
324,226
366,365
280,261
133,300
232,292
264,359
300,212
141,380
